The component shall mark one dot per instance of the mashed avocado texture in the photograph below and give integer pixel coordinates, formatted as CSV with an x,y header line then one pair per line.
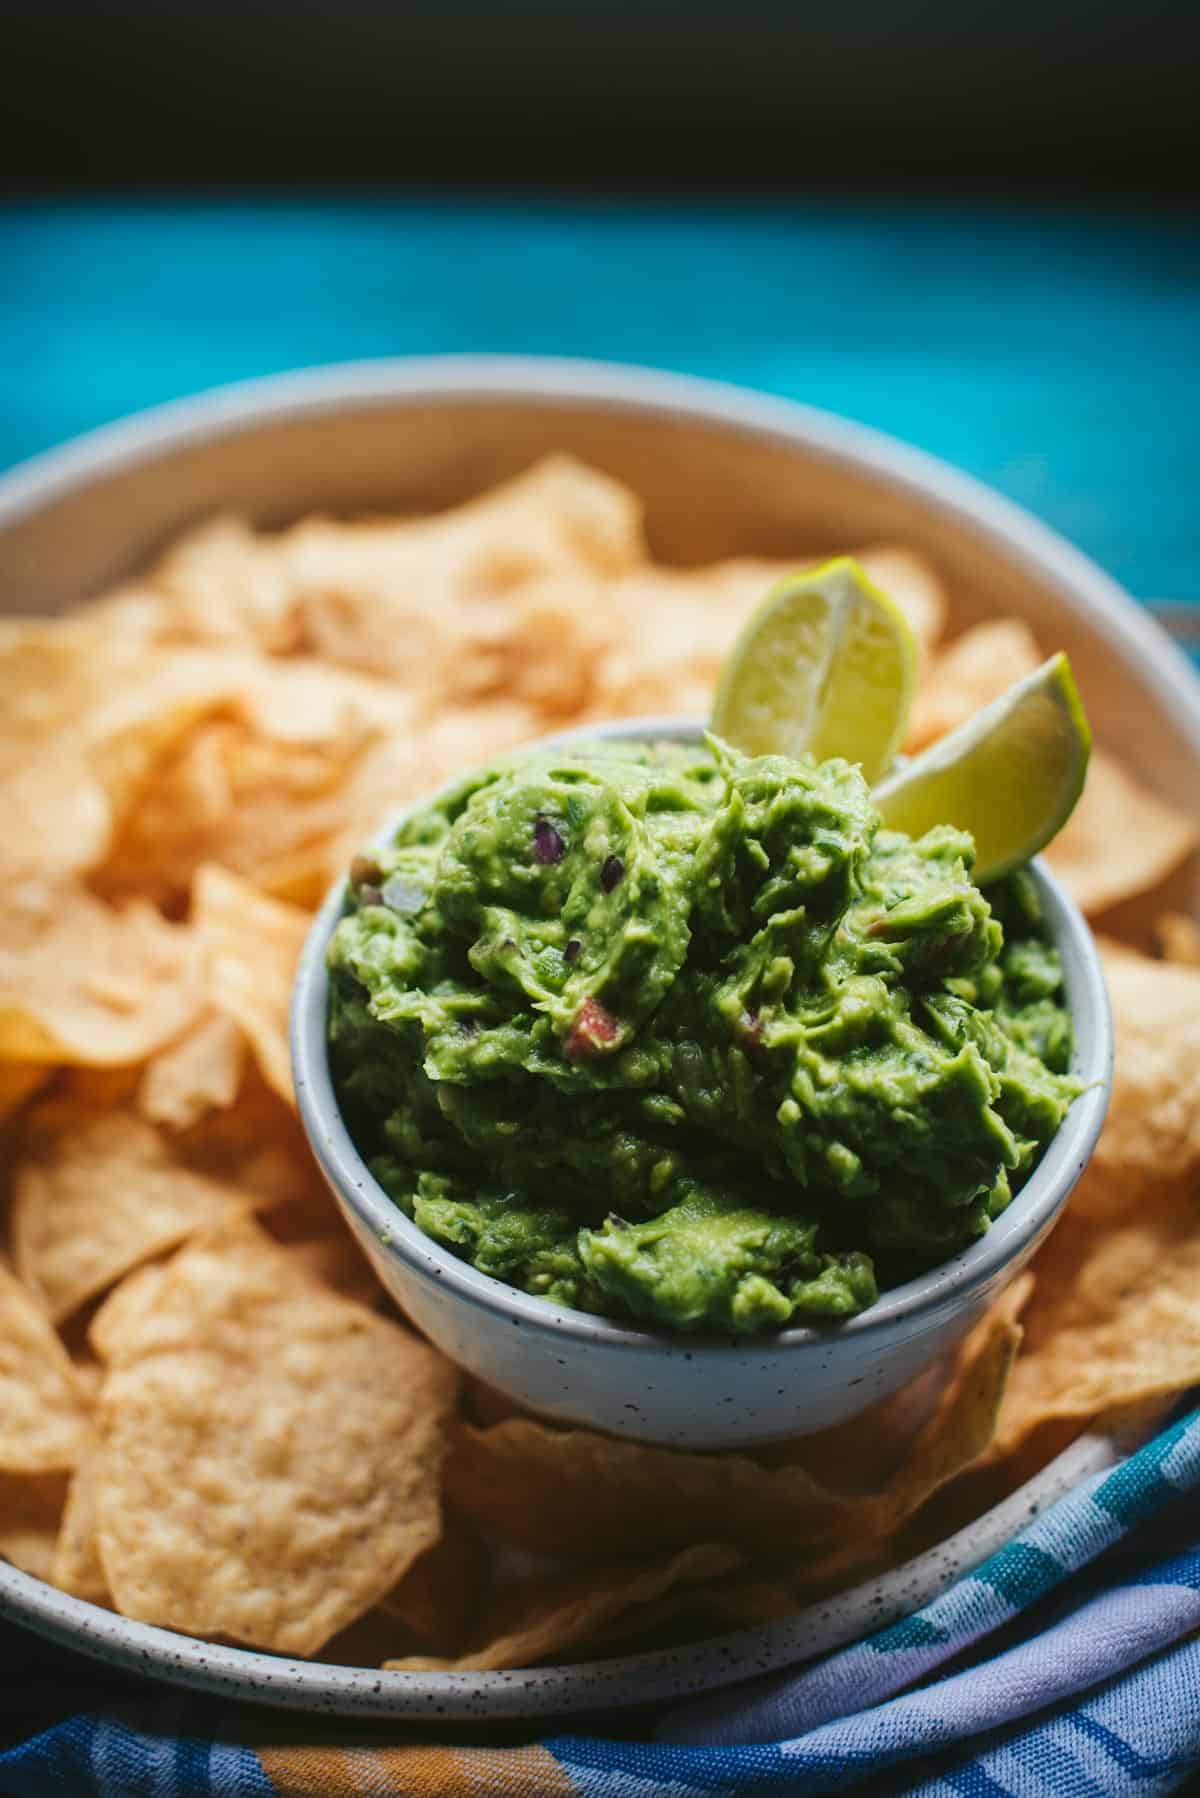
x,y
682,1036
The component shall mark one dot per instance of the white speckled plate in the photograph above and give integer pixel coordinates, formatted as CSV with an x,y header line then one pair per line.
x,y
633,1679
721,472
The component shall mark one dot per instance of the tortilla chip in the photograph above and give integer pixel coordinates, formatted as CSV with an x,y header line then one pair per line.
x,y
396,594
485,1405
1121,839
1152,1133
118,1319
738,1600
89,1377
18,1082
57,819
291,842
95,1194
56,675
97,1089
224,584
265,805
76,1567
437,1600
558,511
336,1261
291,1486
1114,1319
111,705
248,770
534,642
973,671
259,1146
51,671
251,944
198,1074
536,1619
364,1644
1179,939
443,604
87,984
43,1420
30,1509
573,1492
670,630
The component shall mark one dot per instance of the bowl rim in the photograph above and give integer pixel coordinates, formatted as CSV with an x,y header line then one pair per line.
x,y
944,1287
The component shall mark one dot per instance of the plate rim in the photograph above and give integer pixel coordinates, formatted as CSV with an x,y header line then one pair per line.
x,y
622,1682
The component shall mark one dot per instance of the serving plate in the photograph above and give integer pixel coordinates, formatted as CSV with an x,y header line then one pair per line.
x,y
722,472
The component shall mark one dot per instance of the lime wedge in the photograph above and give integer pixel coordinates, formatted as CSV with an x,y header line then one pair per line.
x,y
827,664
1011,775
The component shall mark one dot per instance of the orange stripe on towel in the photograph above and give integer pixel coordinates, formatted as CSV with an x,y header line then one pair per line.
x,y
415,1772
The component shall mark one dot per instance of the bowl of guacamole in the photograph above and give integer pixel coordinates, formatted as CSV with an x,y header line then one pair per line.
x,y
682,1050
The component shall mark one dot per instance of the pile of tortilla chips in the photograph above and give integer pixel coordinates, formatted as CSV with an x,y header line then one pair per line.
x,y
211,1418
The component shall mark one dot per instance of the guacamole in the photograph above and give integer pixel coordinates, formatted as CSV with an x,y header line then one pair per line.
x,y
683,1036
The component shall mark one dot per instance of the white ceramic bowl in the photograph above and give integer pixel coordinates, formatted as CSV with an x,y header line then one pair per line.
x,y
659,1386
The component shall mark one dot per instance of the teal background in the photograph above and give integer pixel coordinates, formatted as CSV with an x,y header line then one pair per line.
x,y
1054,353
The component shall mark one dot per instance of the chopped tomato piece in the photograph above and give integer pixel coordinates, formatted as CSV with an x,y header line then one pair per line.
x,y
594,1031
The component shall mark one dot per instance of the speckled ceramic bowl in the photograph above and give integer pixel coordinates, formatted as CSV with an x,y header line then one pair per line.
x,y
658,1386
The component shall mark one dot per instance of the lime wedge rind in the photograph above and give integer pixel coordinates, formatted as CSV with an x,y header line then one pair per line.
x,y
1011,775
